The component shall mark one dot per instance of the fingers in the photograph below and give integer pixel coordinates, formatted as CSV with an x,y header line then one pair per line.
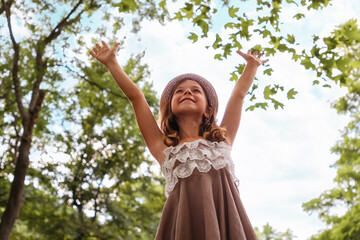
x,y
97,49
116,47
241,53
105,45
253,55
92,53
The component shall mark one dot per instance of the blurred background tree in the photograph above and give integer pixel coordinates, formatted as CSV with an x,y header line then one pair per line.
x,y
53,101
339,207
269,233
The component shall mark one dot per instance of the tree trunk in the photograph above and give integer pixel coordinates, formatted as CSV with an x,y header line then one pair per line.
x,y
17,197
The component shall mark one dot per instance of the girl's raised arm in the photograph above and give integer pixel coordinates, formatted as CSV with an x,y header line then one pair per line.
x,y
144,117
232,115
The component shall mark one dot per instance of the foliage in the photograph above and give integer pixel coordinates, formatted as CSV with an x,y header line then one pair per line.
x,y
101,138
104,182
339,207
242,25
269,233
100,186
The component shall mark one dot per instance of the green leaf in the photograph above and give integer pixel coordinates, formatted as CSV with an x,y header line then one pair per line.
x,y
263,105
229,25
315,38
244,28
162,4
277,104
291,93
299,16
290,39
296,57
275,41
240,68
327,86
268,71
232,12
234,77
331,42
291,1
227,50
282,48
268,92
178,16
188,10
127,6
217,42
193,37
306,62
218,57
316,82
204,26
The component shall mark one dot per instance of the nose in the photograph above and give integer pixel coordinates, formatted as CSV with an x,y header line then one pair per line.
x,y
187,91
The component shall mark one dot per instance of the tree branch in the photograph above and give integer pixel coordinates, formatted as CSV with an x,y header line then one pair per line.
x,y
91,82
15,69
63,24
2,8
40,64
96,199
1,86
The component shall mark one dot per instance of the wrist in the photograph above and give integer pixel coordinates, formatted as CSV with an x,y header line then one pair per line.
x,y
253,65
111,63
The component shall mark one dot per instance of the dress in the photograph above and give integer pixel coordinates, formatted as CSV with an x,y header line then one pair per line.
x,y
203,202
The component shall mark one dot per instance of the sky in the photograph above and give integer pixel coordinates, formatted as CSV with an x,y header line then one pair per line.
x,y
282,157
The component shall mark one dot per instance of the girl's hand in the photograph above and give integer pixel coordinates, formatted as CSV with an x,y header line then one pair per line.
x,y
104,54
252,57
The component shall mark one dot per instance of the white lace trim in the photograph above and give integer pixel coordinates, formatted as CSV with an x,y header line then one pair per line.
x,y
201,154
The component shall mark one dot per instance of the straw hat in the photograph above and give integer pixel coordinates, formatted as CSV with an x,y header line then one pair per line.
x,y
205,84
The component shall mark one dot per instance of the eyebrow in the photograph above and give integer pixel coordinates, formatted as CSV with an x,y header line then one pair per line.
x,y
194,86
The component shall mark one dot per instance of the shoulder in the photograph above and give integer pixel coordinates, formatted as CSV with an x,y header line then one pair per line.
x,y
159,150
227,141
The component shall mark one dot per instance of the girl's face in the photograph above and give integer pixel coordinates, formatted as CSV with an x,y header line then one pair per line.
x,y
189,98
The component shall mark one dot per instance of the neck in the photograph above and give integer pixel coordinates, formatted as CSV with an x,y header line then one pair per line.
x,y
189,127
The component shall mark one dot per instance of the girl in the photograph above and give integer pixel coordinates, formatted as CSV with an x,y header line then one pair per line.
x,y
203,201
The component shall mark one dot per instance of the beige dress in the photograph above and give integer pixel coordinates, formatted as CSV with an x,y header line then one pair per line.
x,y
203,201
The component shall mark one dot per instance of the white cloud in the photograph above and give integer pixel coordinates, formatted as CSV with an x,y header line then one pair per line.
x,y
282,157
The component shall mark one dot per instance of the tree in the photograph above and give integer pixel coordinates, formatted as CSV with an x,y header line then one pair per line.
x,y
269,233
267,24
32,74
103,193
105,155
339,207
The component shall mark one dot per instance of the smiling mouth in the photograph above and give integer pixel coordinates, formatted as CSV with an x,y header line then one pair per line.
x,y
187,99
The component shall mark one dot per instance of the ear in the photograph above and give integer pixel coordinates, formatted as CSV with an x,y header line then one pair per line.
x,y
209,112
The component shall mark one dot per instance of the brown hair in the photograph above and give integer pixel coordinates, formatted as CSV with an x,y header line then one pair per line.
x,y
208,128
